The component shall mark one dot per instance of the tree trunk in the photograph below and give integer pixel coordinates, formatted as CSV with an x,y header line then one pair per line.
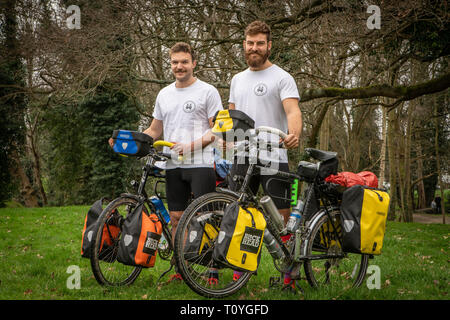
x,y
421,199
438,165
383,149
325,132
36,167
408,204
31,138
392,154
27,193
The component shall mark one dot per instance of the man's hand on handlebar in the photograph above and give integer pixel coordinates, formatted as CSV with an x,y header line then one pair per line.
x,y
291,141
181,148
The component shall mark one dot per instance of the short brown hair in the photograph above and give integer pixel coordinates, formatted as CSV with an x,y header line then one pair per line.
x,y
258,27
183,47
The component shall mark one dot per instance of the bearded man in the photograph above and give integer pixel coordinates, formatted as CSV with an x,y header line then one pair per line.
x,y
269,95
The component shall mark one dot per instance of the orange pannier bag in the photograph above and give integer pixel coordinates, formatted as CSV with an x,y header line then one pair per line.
x,y
138,244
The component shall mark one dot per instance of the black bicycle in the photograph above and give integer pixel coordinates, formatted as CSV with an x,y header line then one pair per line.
x,y
316,243
107,270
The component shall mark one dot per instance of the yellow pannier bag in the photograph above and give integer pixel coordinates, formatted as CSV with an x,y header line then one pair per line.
x,y
364,213
229,122
240,238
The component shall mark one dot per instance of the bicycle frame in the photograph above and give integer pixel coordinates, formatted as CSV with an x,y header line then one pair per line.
x,y
245,195
149,170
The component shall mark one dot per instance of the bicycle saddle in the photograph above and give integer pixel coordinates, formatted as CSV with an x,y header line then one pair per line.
x,y
320,154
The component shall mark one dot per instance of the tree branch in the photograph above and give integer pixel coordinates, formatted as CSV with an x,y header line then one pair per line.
x,y
402,92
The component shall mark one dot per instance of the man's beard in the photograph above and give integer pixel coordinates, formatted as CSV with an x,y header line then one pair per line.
x,y
255,63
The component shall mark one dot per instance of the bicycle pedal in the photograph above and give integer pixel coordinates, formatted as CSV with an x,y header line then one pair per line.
x,y
274,282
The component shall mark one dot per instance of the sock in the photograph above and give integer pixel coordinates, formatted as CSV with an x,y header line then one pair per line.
x,y
237,275
287,278
286,237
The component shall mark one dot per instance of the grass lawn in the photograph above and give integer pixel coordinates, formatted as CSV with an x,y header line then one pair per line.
x,y
37,246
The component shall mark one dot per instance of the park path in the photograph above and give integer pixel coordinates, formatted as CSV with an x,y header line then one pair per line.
x,y
430,218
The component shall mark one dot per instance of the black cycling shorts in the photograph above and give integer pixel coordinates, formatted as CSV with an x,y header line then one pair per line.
x,y
277,189
184,183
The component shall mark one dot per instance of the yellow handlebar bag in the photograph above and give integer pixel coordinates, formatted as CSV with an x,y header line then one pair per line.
x,y
230,121
239,242
364,213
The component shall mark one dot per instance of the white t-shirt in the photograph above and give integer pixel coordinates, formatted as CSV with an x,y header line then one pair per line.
x,y
260,94
185,113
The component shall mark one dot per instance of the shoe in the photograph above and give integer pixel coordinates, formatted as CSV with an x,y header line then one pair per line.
x,y
213,279
289,286
175,277
237,275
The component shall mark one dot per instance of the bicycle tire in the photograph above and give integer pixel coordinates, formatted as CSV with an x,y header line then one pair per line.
x,y
338,273
195,271
107,270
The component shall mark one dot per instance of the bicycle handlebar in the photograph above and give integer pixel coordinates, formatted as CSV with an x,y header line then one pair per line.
x,y
276,131
162,143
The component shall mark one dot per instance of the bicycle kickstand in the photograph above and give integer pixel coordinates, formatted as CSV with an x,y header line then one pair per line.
x,y
164,273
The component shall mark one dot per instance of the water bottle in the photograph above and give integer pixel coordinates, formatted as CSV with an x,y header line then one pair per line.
x,y
269,207
163,244
160,208
272,245
294,220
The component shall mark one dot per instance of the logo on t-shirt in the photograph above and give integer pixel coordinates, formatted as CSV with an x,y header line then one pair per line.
x,y
189,106
260,89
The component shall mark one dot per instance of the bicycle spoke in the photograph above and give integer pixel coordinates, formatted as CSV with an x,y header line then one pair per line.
x,y
197,267
328,265
107,270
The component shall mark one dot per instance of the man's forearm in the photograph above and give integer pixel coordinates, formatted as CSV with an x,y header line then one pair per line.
x,y
152,133
295,123
203,141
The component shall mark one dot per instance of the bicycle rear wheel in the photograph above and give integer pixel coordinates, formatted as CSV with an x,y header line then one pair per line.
x,y
341,271
200,225
107,270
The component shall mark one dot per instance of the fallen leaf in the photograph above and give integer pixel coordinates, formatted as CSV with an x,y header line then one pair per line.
x,y
401,291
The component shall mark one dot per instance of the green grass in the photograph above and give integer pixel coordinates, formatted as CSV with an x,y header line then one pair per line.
x,y
38,245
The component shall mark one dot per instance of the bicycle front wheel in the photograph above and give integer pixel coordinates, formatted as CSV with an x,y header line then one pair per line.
x,y
194,244
107,270
326,264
